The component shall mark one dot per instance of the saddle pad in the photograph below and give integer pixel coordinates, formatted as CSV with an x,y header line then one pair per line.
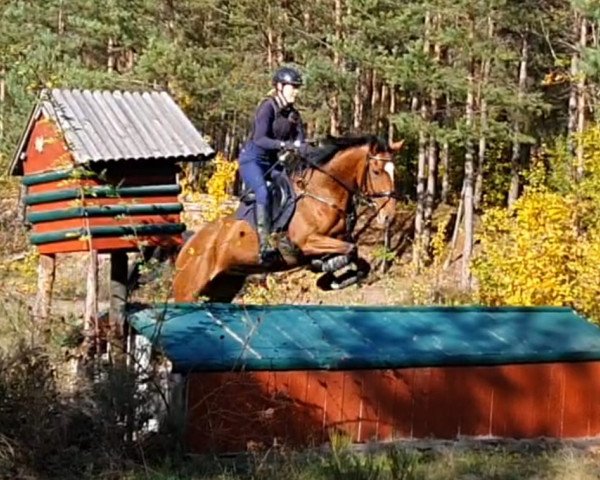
x,y
283,204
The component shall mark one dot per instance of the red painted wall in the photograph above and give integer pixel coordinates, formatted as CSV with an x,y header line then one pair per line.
x,y
46,150
229,411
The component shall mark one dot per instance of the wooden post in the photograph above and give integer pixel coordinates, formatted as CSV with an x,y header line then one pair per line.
x,y
46,272
118,303
90,316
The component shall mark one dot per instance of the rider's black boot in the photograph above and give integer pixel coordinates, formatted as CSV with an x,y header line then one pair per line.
x,y
267,254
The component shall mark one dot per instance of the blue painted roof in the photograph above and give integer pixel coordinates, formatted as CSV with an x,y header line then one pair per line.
x,y
224,337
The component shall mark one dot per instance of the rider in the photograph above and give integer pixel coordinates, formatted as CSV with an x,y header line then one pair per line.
x,y
277,126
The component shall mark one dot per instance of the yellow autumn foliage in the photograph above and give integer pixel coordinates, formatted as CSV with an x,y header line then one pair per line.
x,y
545,250
218,187
216,201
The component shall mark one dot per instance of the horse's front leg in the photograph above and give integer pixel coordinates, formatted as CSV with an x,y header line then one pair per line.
x,y
332,254
317,244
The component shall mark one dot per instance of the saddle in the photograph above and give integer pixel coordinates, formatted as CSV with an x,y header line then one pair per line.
x,y
283,202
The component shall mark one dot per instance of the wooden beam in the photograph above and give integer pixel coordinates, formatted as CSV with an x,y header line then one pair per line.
x,y
43,299
90,315
118,304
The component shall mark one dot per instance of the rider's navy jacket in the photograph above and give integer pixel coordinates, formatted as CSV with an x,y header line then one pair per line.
x,y
272,125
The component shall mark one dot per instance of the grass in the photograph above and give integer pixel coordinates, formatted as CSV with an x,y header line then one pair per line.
x,y
396,464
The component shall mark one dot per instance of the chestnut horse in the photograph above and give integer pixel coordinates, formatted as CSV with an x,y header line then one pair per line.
x,y
216,260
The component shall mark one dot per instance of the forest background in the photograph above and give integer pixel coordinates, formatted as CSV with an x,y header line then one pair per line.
x,y
496,99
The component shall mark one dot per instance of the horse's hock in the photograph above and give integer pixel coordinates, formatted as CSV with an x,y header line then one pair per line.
x,y
291,375
100,175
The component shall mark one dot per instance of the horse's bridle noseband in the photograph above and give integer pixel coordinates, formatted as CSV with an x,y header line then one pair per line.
x,y
389,194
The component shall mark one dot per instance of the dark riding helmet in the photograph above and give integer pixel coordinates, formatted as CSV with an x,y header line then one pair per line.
x,y
287,75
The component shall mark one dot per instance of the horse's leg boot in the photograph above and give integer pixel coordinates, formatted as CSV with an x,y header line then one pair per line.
x,y
266,253
336,263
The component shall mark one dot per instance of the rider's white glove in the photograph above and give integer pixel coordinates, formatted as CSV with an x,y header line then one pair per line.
x,y
294,144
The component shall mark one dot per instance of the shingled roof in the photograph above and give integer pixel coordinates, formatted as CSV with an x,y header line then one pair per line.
x,y
115,125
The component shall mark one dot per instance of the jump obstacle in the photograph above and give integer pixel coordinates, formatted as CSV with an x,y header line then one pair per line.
x,y
268,375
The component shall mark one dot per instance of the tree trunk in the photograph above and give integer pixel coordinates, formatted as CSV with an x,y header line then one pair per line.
x,y
336,108
515,161
2,100
418,245
445,163
574,70
483,123
581,103
375,97
270,41
382,106
392,111
357,101
280,40
593,92
468,180
432,159
60,22
110,50
432,155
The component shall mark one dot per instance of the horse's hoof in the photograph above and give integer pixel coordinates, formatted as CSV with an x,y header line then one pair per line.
x,y
325,281
316,265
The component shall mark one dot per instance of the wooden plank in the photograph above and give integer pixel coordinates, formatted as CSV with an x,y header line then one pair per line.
x,y
528,401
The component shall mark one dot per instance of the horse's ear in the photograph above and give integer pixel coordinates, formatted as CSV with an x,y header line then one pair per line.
x,y
373,147
396,146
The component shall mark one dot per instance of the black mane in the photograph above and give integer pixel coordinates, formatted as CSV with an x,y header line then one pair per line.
x,y
329,146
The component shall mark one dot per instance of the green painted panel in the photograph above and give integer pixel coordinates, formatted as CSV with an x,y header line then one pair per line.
x,y
105,211
102,192
40,178
117,231
224,337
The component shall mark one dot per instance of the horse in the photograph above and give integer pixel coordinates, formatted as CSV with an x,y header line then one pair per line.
x,y
215,261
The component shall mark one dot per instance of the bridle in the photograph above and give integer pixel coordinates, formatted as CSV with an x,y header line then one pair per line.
x,y
357,193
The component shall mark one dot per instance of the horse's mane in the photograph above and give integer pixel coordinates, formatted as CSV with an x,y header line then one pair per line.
x,y
329,146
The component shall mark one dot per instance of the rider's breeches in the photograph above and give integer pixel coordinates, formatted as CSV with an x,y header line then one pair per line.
x,y
254,178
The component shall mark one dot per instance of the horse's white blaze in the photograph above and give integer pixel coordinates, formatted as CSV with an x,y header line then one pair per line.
x,y
389,168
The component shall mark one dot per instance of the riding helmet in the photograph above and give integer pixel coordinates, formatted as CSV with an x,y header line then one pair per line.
x,y
288,75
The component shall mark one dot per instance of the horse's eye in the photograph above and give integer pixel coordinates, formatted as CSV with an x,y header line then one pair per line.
x,y
376,172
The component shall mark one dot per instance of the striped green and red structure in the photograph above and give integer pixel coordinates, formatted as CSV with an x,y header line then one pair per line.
x,y
99,170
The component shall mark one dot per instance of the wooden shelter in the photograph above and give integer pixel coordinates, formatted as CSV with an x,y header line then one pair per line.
x,y
289,375
99,174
